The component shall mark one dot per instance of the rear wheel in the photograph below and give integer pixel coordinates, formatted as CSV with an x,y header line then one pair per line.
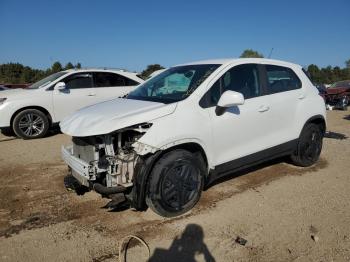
x,y
176,183
30,124
309,146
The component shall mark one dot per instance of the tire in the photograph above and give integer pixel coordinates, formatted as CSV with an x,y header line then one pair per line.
x,y
30,124
309,146
175,183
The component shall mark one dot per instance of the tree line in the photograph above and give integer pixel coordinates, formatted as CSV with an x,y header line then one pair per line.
x,y
15,73
329,75
326,75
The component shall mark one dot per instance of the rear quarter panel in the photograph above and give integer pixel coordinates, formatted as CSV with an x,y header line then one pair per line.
x,y
312,105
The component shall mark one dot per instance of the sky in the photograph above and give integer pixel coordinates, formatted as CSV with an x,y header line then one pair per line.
x,y
134,34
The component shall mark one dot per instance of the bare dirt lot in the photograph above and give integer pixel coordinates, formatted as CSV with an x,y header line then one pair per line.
x,y
285,213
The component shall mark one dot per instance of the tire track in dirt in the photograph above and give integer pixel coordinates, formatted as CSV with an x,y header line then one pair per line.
x,y
246,180
28,204
34,196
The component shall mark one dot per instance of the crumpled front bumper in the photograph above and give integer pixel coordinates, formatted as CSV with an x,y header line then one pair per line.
x,y
80,169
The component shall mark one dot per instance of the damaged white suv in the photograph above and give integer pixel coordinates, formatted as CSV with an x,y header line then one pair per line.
x,y
169,138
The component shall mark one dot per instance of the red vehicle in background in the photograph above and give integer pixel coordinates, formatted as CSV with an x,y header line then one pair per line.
x,y
338,94
9,86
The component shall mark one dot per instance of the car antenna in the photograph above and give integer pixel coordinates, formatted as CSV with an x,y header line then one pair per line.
x,y
270,53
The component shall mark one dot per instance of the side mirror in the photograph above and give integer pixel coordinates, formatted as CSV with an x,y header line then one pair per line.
x,y
230,98
60,86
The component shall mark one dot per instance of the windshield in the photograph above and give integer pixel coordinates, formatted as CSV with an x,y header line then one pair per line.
x,y
174,84
47,80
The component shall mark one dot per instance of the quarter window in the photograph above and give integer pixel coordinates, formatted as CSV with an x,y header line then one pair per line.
x,y
109,80
281,79
78,81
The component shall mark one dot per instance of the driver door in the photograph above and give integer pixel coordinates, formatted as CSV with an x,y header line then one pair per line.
x,y
240,130
79,93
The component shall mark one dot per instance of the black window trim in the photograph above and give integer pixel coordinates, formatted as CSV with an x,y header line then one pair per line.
x,y
308,75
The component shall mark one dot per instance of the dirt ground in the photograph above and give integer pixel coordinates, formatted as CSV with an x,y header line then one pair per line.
x,y
285,213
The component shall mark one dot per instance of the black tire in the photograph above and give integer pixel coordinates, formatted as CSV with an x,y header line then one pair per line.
x,y
175,183
30,124
309,146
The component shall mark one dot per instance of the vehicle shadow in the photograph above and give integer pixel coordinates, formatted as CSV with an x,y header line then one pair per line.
x,y
7,139
347,117
185,248
54,131
335,135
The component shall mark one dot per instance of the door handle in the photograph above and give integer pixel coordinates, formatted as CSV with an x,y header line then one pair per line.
x,y
91,94
302,96
263,108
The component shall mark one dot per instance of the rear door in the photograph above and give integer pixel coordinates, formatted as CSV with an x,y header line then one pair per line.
x,y
79,93
112,85
284,93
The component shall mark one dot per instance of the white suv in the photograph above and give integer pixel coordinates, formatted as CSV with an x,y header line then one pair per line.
x,y
193,123
32,111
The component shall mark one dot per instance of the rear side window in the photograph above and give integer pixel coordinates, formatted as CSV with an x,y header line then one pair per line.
x,y
111,80
281,79
78,81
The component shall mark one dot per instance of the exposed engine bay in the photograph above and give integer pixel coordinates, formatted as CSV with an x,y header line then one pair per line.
x,y
111,158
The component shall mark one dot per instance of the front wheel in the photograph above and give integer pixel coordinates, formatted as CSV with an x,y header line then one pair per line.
x,y
30,124
176,183
309,146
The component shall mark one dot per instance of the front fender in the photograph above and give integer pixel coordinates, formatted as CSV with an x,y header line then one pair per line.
x,y
179,128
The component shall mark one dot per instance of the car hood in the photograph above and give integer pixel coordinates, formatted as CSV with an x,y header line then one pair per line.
x,y
112,115
18,93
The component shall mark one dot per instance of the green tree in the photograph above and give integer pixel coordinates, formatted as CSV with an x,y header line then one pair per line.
x,y
11,73
27,75
56,67
336,74
315,73
347,63
69,65
150,69
250,53
78,66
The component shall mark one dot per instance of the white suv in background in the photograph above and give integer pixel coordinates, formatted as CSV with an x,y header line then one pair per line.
x,y
32,111
191,124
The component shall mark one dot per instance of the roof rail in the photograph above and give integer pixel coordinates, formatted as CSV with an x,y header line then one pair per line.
x,y
101,68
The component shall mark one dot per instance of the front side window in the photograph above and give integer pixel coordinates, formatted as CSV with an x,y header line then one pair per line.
x,y
77,81
242,78
174,84
281,79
